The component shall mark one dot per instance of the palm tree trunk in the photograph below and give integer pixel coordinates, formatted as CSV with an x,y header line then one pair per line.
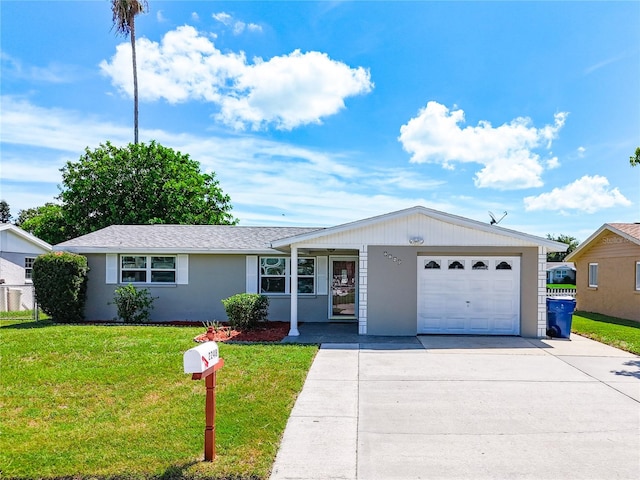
x,y
135,81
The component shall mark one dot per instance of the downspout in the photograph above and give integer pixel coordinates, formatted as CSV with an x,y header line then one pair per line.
x,y
293,332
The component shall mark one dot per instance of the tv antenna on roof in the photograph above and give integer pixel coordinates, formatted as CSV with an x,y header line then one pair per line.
x,y
493,218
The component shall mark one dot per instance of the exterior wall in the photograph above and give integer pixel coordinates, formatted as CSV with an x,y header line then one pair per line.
x,y
12,268
392,290
211,279
615,294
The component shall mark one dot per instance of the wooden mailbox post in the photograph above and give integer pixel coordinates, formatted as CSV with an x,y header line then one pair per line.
x,y
203,362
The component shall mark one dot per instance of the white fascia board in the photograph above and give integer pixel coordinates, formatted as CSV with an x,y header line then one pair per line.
x,y
26,235
164,251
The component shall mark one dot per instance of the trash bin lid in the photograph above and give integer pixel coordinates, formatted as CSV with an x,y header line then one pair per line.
x,y
562,297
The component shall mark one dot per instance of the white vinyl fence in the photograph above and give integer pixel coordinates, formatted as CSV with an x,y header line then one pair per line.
x,y
561,292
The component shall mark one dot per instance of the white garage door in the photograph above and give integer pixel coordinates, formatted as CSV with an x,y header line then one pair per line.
x,y
469,295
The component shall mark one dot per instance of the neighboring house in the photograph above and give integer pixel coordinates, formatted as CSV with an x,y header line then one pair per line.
x,y
18,250
557,272
412,271
608,265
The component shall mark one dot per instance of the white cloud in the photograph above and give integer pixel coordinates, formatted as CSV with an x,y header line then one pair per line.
x,y
507,151
285,91
223,18
160,17
195,17
52,73
587,194
237,26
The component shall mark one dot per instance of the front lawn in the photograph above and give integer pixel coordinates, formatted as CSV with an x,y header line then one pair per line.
x,y
617,332
113,402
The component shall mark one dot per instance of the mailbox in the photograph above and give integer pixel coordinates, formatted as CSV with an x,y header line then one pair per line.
x,y
201,358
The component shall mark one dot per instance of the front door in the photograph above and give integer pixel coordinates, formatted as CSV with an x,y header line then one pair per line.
x,y
344,288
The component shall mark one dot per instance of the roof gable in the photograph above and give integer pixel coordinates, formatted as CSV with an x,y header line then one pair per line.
x,y
627,231
15,239
417,226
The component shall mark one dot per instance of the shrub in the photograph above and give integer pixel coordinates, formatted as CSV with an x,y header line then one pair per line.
x,y
134,305
246,310
60,283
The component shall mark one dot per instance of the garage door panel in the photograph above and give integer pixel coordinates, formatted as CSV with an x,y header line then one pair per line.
x,y
484,300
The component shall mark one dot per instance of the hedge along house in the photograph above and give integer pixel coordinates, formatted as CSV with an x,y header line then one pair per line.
x,y
404,273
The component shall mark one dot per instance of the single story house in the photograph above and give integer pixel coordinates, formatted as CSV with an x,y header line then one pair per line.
x,y
408,272
18,250
608,264
557,272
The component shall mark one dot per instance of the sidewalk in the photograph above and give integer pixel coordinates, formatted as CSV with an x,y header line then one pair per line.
x,y
466,407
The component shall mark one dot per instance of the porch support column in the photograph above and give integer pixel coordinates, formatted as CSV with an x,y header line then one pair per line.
x,y
293,331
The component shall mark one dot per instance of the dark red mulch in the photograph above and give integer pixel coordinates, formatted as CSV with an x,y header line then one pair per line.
x,y
265,332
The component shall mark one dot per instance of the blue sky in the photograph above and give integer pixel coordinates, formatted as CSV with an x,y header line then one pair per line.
x,y
320,113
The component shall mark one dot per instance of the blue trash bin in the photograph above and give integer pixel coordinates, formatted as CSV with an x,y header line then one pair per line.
x,y
559,316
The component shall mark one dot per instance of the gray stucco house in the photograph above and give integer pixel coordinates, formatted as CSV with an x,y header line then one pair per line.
x,y
412,271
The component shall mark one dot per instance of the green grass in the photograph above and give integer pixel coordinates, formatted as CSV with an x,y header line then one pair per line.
x,y
617,332
113,402
561,285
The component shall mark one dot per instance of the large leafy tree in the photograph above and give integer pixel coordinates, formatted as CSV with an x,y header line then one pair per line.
x,y
46,222
635,159
560,256
139,184
5,212
124,21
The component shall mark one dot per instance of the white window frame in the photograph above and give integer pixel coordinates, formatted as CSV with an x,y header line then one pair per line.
x,y
593,272
148,269
637,276
28,268
287,275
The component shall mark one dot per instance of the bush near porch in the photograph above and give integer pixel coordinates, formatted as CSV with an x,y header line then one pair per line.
x,y
84,402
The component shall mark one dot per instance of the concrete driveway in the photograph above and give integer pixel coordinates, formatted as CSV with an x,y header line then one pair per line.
x,y
466,407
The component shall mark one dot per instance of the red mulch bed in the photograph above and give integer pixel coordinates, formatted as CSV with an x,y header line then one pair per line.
x,y
265,332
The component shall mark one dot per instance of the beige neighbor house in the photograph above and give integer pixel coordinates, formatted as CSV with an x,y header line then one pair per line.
x,y
608,266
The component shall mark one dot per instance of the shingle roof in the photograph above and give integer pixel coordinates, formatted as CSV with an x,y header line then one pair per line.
x,y
180,238
632,229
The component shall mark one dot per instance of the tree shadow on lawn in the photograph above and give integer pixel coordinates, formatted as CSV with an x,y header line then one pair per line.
x,y
27,324
598,317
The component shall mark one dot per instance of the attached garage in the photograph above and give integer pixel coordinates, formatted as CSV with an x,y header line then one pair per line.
x,y
468,295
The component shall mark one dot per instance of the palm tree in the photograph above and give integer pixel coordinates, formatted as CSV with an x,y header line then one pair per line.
x,y
124,21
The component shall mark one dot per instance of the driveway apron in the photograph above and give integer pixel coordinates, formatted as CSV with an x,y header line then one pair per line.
x,y
466,408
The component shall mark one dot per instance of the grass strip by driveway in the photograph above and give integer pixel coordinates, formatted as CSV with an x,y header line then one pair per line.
x,y
617,332
113,402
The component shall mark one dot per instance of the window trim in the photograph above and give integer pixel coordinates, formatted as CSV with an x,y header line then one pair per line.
x,y
590,281
287,276
28,270
637,276
148,269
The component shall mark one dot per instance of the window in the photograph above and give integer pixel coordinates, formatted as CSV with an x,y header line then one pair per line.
x,y
147,269
456,265
503,266
480,265
433,264
28,268
637,276
275,275
561,273
593,274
